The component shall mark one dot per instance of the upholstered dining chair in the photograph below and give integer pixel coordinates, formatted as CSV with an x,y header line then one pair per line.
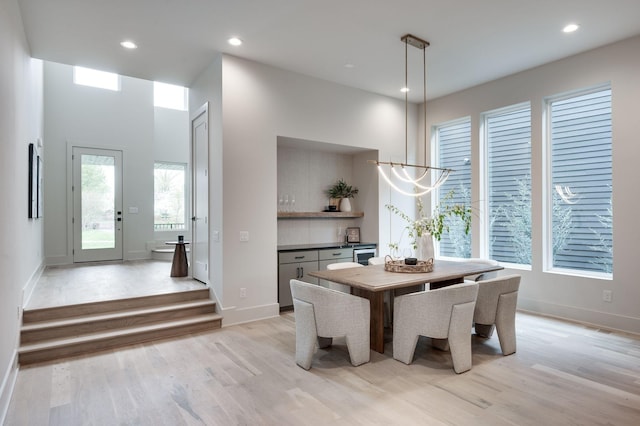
x,y
445,313
496,306
342,265
322,314
485,275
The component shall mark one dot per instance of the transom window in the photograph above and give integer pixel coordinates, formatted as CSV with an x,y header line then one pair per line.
x,y
94,78
170,96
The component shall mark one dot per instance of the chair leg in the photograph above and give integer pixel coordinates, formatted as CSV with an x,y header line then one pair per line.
x,y
324,342
460,336
404,346
484,330
359,347
306,335
506,322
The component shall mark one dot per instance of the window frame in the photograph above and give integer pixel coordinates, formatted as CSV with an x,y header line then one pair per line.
x,y
484,190
186,199
547,181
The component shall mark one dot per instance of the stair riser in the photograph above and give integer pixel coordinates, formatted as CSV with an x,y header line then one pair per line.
x,y
62,332
26,358
64,312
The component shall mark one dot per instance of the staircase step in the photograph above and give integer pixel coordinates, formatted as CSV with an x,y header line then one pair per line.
x,y
77,326
56,349
62,312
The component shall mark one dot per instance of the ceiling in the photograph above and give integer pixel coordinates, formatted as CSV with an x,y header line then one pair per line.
x,y
472,41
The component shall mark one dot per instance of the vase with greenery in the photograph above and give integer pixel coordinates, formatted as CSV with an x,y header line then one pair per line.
x,y
342,191
436,224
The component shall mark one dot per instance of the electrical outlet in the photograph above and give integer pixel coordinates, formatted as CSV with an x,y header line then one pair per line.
x,y
244,236
243,293
607,295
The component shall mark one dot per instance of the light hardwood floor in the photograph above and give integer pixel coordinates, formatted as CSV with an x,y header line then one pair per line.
x,y
91,282
562,374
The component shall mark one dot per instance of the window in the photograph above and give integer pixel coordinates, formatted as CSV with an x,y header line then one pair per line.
x,y
453,145
95,78
581,185
169,196
170,96
507,137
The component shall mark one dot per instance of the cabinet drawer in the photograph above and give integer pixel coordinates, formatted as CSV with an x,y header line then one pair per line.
x,y
298,256
336,254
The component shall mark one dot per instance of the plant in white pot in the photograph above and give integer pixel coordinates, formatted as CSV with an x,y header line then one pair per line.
x,y
343,192
424,229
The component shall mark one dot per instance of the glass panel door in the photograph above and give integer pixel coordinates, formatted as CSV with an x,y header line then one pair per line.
x,y
97,193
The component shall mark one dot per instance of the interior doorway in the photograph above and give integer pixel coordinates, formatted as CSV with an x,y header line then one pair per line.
x,y
200,219
97,204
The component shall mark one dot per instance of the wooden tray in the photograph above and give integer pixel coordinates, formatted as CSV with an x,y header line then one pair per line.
x,y
391,265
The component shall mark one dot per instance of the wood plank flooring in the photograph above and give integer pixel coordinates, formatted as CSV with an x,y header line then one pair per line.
x,y
562,374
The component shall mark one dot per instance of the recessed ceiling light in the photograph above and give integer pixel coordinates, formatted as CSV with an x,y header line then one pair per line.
x,y
571,28
128,44
404,89
235,41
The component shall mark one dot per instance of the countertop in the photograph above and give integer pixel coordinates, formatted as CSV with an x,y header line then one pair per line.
x,y
296,247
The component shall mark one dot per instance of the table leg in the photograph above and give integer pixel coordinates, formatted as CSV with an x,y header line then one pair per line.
x,y
376,303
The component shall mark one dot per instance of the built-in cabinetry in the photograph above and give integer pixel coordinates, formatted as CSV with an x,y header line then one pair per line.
x,y
297,263
294,265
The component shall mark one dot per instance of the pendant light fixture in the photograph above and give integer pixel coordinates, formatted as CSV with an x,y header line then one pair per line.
x,y
397,174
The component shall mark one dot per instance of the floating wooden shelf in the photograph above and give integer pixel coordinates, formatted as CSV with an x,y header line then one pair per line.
x,y
320,215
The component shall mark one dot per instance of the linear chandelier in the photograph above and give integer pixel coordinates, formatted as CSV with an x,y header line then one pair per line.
x,y
398,179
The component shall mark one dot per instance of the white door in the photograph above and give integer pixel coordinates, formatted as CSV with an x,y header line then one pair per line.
x,y
97,204
200,219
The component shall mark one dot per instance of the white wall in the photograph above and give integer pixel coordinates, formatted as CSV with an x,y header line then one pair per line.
x,y
123,120
259,104
573,297
21,257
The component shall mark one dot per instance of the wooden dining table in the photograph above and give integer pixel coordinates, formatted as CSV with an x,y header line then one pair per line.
x,y
372,281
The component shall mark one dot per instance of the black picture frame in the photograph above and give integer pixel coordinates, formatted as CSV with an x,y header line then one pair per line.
x,y
33,182
353,235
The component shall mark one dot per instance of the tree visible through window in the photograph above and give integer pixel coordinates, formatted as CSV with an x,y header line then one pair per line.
x,y
581,184
508,142
169,196
453,143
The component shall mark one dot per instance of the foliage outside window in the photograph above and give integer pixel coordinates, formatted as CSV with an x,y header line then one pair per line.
x,y
169,196
581,181
453,146
508,145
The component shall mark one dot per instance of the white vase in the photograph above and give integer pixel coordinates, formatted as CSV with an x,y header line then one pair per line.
x,y
345,205
425,247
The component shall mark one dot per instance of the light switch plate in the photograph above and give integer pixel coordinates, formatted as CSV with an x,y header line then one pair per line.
x,y
133,210
244,236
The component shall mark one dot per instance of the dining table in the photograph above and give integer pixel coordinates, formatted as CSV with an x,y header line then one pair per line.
x,y
371,282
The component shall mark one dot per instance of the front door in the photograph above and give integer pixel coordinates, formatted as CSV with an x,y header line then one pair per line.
x,y
97,204
200,220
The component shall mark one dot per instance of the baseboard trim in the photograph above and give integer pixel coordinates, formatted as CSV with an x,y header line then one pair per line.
x,y
592,318
235,316
6,388
27,291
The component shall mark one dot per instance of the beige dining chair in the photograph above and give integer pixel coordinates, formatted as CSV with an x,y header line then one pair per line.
x,y
376,260
484,275
341,265
496,308
322,314
445,313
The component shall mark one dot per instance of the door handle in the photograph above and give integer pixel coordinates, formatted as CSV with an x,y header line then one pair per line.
x,y
193,218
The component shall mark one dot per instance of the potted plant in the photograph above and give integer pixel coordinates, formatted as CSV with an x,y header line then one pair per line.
x,y
343,192
424,228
